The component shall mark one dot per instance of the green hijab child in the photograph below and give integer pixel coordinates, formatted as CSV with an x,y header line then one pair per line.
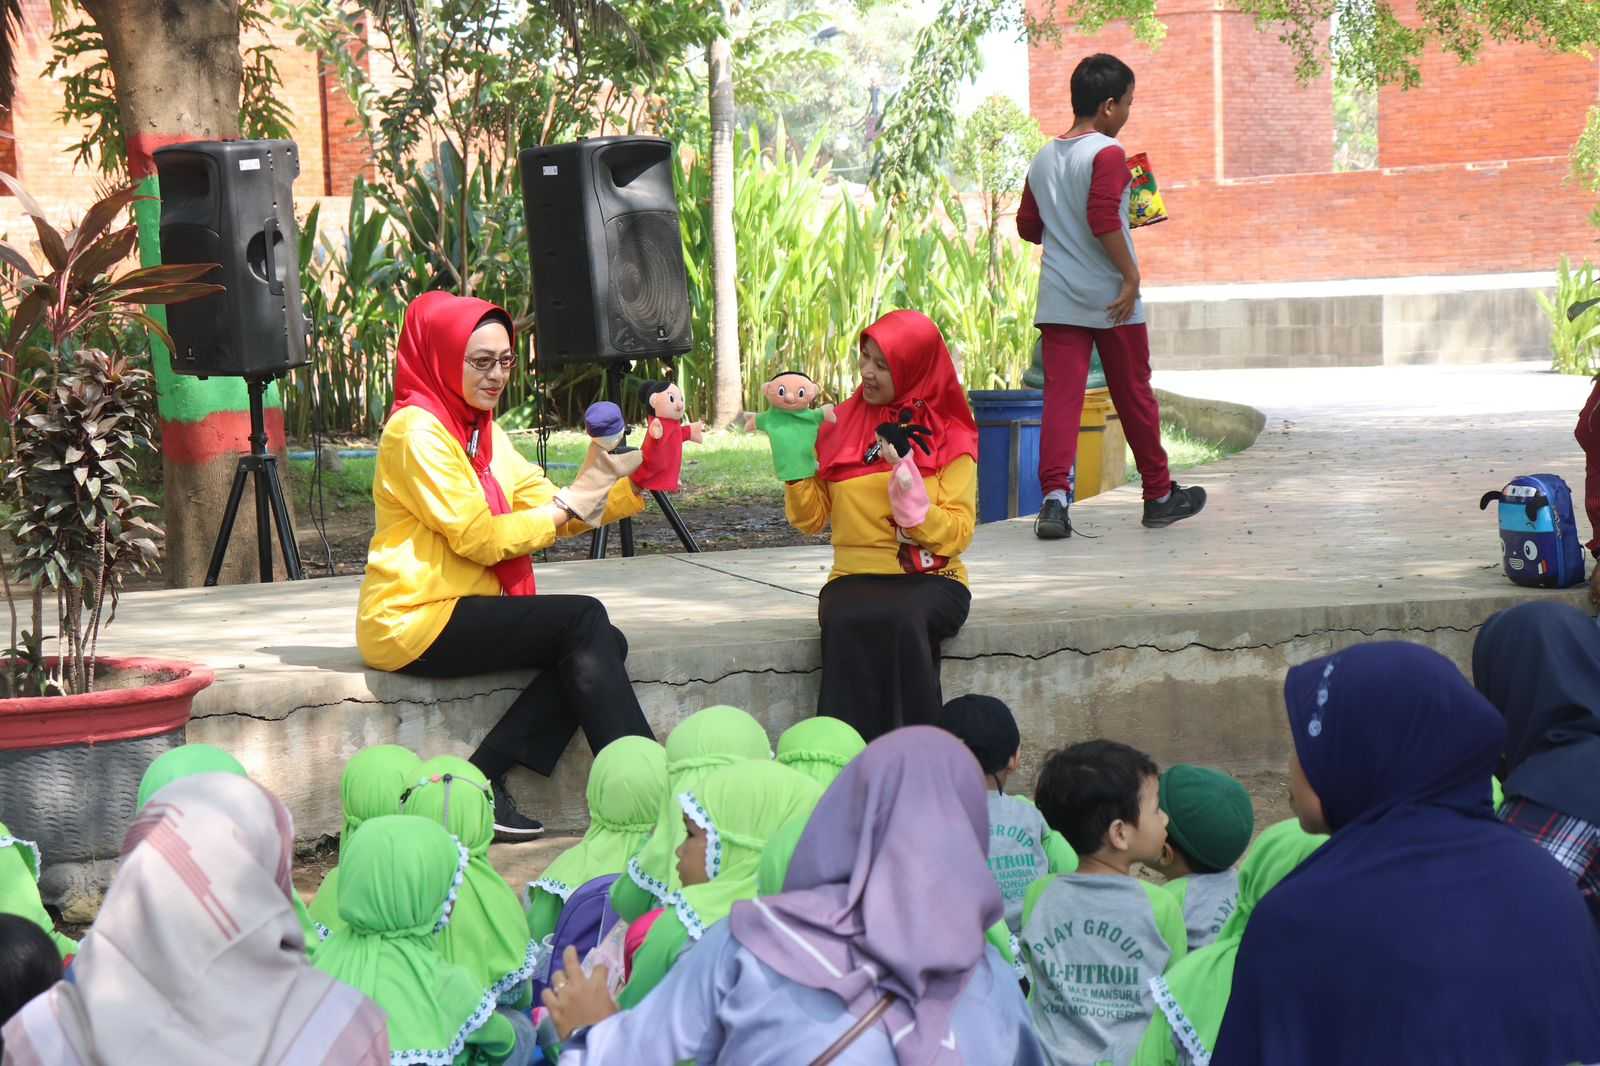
x,y
774,865
627,787
188,760
488,932
703,742
373,781
820,747
185,761
400,878
734,815
19,888
1192,996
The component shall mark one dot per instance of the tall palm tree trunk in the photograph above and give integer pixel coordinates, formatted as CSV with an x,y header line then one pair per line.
x,y
728,398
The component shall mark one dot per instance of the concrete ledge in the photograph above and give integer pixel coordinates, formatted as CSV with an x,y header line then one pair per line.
x,y
1377,322
1195,684
1233,425
1354,517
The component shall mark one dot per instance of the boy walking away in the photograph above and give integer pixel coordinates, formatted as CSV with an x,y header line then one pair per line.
x,y
1075,203
1092,940
1209,822
1022,848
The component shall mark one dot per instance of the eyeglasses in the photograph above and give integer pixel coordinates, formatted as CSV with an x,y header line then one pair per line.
x,y
485,363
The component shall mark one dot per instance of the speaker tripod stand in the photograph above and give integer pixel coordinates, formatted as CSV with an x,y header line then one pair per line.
x,y
270,500
615,372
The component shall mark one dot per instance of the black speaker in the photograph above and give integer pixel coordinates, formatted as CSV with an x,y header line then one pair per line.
x,y
608,278
232,202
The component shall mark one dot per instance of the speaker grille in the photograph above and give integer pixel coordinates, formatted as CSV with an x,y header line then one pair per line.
x,y
647,304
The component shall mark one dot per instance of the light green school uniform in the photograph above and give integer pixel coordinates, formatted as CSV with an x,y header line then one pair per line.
x,y
1090,945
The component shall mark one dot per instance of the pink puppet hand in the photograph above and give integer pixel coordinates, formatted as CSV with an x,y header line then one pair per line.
x,y
827,413
908,495
656,429
697,432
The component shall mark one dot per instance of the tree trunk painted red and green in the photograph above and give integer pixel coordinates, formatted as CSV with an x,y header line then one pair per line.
x,y
177,69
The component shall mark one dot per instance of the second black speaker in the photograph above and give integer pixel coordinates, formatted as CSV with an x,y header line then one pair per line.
x,y
232,203
607,254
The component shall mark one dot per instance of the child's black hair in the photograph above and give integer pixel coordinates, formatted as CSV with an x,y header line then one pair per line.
x,y
986,726
1095,80
29,964
1085,787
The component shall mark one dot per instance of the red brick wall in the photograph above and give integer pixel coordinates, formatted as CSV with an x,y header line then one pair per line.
x,y
8,149
1274,213
328,162
1272,124
1447,219
1173,98
345,148
1515,102
302,91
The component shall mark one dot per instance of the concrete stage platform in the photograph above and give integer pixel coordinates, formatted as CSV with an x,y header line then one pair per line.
x,y
1354,517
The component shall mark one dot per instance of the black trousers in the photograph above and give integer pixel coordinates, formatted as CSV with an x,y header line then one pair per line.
x,y
582,679
880,647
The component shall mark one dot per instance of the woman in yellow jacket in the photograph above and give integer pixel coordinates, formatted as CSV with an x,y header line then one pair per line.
x,y
449,587
898,478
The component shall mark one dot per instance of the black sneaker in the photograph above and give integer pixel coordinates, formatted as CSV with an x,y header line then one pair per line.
x,y
511,826
1179,504
1052,522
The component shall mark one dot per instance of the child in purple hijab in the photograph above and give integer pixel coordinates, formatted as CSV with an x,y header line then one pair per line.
x,y
787,975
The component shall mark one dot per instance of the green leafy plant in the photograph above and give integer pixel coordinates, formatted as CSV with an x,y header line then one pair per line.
x,y
819,260
76,424
1574,338
351,297
1586,158
996,144
472,83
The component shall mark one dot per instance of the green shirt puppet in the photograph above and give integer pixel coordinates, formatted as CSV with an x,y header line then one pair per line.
x,y
791,424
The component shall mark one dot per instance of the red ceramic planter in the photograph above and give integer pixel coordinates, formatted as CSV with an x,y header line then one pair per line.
x,y
70,767
107,715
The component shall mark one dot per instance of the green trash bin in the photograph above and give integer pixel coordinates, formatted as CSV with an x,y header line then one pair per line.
x,y
1034,377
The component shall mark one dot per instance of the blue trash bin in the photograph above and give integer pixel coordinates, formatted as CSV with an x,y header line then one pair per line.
x,y
1008,442
1008,452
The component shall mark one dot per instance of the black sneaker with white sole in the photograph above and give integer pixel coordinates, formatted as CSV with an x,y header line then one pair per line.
x,y
1180,504
511,826
1053,522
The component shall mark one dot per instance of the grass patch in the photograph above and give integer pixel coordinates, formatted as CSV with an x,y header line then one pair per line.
x,y
1183,451
727,467
347,488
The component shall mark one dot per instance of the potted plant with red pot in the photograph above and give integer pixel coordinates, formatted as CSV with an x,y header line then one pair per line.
x,y
78,729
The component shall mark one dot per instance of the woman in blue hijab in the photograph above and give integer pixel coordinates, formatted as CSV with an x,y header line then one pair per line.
x,y
1540,665
1424,931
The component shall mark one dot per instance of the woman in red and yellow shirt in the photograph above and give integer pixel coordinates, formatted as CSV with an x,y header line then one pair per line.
x,y
449,588
900,523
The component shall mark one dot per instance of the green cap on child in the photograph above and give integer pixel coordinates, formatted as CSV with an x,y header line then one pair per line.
x,y
1210,815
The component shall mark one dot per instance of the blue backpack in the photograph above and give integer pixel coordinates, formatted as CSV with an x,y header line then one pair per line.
x,y
586,917
1538,532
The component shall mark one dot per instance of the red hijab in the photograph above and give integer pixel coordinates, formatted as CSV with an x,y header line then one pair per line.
x,y
430,364
924,383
